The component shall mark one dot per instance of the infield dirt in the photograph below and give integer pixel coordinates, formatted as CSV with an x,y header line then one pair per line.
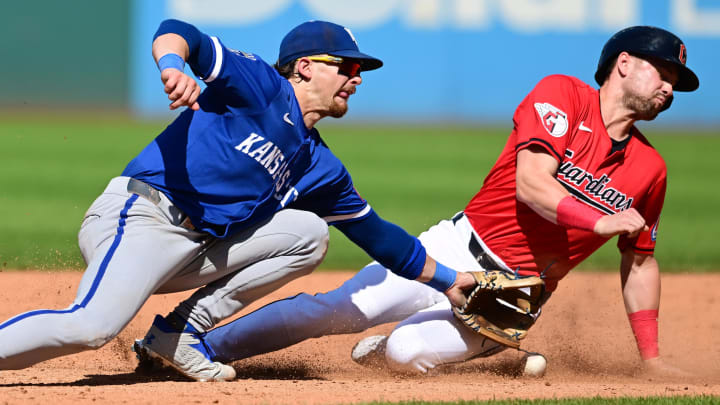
x,y
583,332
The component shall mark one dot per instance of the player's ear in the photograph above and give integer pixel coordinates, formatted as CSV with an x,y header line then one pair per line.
x,y
622,65
302,68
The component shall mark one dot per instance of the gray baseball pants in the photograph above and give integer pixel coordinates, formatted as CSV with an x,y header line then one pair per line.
x,y
136,246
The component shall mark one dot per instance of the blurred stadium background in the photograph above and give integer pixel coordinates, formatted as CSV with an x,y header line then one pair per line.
x,y
445,60
80,95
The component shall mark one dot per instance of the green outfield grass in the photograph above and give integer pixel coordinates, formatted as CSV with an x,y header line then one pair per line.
x,y
54,166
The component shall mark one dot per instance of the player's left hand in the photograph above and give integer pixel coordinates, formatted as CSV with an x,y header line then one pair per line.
x,y
456,293
181,89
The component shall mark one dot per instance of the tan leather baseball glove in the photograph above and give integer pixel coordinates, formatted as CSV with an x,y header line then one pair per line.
x,y
503,306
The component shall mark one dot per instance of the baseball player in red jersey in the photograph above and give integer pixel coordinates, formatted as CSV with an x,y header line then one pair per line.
x,y
574,173
560,131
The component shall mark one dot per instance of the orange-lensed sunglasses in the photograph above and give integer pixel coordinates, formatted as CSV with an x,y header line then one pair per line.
x,y
348,67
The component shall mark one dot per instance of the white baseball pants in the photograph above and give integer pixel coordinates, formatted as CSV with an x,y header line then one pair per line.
x,y
428,334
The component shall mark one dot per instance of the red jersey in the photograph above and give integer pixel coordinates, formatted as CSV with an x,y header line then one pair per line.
x,y
562,115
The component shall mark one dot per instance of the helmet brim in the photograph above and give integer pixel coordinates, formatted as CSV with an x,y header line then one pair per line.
x,y
648,42
687,80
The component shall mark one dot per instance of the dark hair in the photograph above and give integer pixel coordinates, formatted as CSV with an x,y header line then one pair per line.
x,y
285,70
604,72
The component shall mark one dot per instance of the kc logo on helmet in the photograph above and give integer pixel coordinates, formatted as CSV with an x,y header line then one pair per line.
x,y
553,119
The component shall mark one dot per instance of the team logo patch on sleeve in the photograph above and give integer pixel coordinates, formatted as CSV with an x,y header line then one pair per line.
x,y
243,54
553,119
653,232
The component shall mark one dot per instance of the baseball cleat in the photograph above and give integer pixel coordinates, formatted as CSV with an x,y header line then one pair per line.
x,y
184,351
146,364
370,351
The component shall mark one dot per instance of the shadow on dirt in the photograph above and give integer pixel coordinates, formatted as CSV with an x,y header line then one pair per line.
x,y
294,371
92,380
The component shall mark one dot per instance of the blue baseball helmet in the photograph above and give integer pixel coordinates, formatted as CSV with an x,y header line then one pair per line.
x,y
322,37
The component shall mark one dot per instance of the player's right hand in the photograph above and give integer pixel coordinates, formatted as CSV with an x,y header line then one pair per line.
x,y
628,222
181,89
456,293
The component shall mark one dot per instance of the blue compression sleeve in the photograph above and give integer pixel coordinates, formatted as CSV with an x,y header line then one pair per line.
x,y
387,243
171,60
443,278
201,49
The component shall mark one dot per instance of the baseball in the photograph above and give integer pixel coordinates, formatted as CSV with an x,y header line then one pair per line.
x,y
535,365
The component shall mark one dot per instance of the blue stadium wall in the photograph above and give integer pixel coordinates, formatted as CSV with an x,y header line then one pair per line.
x,y
466,61
448,60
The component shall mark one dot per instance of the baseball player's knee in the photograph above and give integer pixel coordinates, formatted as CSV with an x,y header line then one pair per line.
x,y
317,234
88,334
406,352
314,239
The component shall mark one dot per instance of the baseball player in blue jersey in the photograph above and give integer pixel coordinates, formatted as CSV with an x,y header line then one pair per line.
x,y
233,198
518,222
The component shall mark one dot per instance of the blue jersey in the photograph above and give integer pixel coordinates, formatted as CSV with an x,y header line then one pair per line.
x,y
246,153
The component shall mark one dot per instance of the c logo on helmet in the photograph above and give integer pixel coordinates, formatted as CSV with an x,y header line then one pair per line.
x,y
683,54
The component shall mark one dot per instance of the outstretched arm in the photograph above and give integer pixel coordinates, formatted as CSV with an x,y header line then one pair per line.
x,y
405,256
456,291
640,276
640,279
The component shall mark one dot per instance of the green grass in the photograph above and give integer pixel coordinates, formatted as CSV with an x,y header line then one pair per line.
x,y
416,177
54,166
676,400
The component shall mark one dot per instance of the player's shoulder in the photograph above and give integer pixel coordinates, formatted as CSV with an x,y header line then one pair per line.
x,y
322,155
248,59
565,81
224,53
562,79
567,94
649,155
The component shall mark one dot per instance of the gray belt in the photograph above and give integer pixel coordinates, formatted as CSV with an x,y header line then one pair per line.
x,y
144,190
484,259
151,194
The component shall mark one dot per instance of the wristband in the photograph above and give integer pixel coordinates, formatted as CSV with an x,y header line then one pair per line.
x,y
645,327
571,213
171,60
443,278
